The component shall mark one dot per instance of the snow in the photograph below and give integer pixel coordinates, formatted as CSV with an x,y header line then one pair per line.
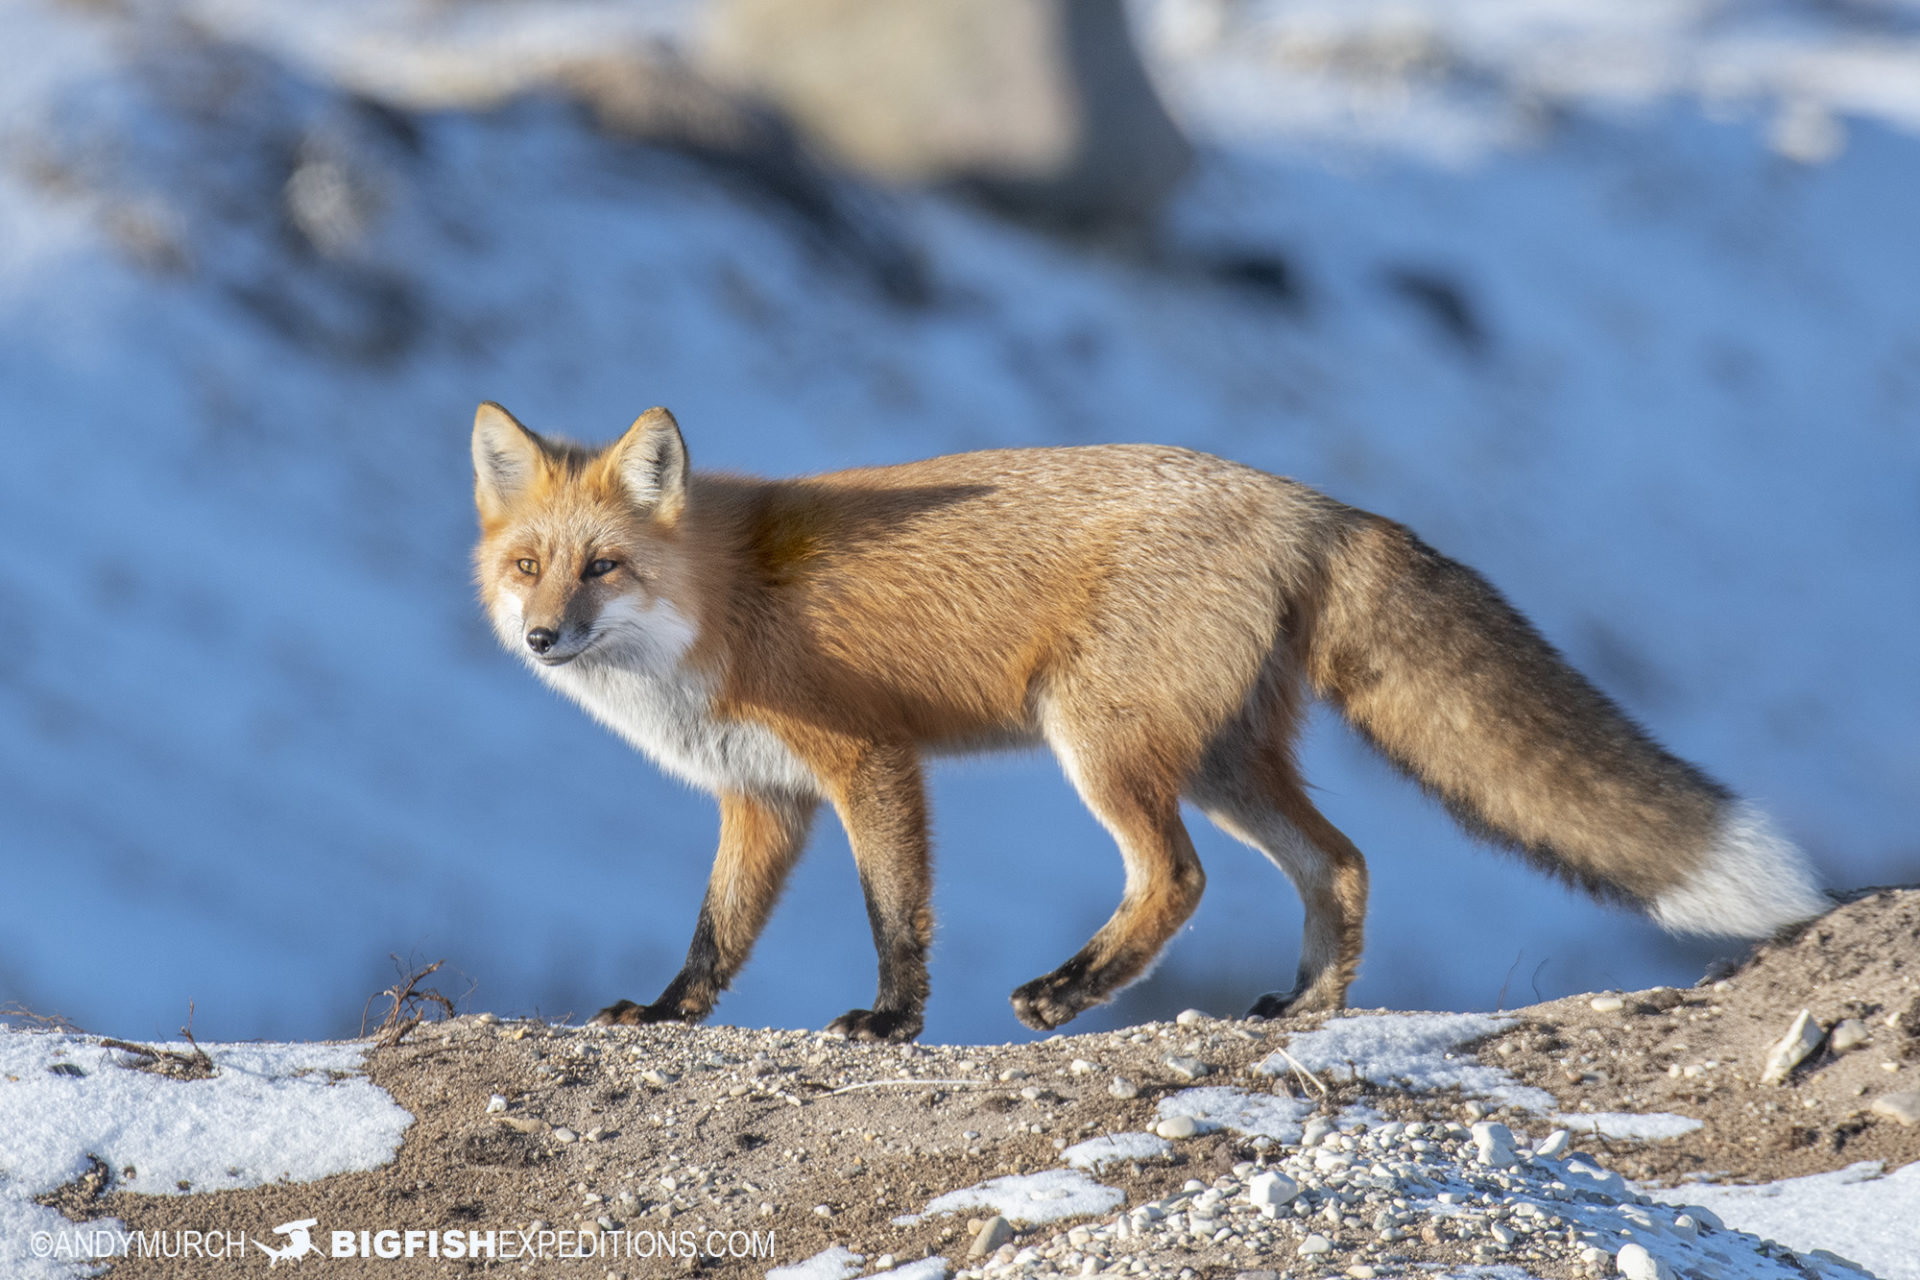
x,y
270,1113
1416,1051
935,1268
1410,1049
836,1263
1097,1153
1267,1115
1859,1213
1028,1198
1627,1125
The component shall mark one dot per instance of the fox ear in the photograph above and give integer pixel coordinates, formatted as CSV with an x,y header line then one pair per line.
x,y
651,460
506,457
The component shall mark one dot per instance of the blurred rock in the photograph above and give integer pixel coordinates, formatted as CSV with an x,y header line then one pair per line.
x,y
1041,107
659,101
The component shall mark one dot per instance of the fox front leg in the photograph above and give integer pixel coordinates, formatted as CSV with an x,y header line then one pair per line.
x,y
760,840
884,809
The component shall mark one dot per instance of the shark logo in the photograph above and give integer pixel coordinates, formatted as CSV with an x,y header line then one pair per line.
x,y
299,1242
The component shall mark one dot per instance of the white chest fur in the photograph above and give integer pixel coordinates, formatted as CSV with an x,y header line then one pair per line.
x,y
669,715
636,682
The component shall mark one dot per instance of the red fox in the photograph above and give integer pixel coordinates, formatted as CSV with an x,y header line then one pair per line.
x,y
1155,616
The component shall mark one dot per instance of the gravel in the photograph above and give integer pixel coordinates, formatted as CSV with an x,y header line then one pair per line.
x,y
1347,1202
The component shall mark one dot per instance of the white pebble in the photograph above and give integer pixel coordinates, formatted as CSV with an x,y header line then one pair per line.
x,y
1635,1263
1176,1127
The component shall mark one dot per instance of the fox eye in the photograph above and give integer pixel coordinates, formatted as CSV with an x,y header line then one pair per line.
x,y
600,568
529,566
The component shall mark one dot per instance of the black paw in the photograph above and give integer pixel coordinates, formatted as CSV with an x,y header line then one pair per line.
x,y
870,1024
1048,1002
626,1013
1284,1004
1274,1004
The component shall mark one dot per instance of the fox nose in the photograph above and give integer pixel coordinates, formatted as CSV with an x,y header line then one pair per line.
x,y
541,639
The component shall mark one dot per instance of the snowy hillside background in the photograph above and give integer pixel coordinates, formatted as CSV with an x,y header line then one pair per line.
x,y
1619,303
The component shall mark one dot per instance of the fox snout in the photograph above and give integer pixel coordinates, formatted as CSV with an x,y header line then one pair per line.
x,y
542,639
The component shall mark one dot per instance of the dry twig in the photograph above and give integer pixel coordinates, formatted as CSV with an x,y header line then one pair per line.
x,y
409,1007
17,1012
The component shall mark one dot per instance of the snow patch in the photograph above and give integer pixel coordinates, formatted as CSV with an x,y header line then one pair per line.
x,y
836,1263
1097,1153
1028,1198
925,1269
1414,1050
1628,1125
271,1113
1858,1213
1255,1114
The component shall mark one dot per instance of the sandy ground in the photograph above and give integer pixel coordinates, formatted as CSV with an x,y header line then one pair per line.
x,y
823,1142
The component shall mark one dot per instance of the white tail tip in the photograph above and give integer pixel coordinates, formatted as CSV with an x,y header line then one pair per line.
x,y
1751,881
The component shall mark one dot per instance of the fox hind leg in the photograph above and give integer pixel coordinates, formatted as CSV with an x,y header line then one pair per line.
x,y
1164,880
1258,799
760,840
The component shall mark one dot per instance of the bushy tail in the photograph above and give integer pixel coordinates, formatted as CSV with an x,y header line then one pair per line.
x,y
1446,678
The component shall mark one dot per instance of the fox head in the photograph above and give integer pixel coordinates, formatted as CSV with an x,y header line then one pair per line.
x,y
580,549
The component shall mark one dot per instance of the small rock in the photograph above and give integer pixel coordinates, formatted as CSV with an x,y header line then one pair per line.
x,y
1080,1067
1361,1271
1584,1176
1903,1106
1495,1142
1315,1244
523,1124
656,1077
1187,1068
1635,1263
496,1104
564,1135
994,1232
1257,1275
823,1211
1317,1128
1176,1127
1268,1191
1552,1145
1802,1038
1850,1033
1190,1018
1121,1087
1606,1004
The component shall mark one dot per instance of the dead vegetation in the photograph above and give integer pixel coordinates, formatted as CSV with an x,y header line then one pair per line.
x,y
194,1064
409,1005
